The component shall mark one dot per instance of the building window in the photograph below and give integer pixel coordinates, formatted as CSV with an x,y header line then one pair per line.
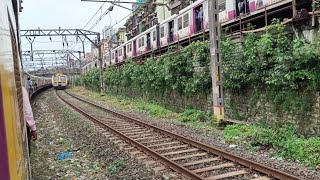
x,y
186,20
162,31
179,23
142,39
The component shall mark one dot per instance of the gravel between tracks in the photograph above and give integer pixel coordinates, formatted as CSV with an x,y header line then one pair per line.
x,y
94,157
214,138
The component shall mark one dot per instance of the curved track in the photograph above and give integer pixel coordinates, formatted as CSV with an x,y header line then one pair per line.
x,y
190,158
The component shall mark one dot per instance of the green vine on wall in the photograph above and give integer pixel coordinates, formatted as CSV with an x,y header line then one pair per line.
x,y
185,72
274,62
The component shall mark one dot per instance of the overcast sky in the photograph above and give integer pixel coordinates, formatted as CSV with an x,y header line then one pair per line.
x,y
73,14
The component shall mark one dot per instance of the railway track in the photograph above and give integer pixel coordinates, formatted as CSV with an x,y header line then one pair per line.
x,y
192,159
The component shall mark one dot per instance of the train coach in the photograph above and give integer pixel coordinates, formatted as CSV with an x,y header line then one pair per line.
x,y
182,26
14,160
35,83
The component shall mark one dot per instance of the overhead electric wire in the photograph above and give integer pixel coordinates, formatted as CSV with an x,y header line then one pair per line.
x,y
112,26
100,8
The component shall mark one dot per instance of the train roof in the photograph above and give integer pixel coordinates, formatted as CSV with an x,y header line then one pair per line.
x,y
145,32
168,19
33,76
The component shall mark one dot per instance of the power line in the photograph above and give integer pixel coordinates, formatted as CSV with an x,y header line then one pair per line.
x,y
101,17
100,8
93,15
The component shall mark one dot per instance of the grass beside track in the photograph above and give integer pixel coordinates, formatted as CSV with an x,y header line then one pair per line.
x,y
191,118
275,142
123,103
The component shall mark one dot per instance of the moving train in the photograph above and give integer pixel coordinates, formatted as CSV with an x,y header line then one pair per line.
x,y
177,28
59,81
14,160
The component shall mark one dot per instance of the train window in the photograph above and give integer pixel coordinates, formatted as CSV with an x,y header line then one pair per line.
x,y
179,23
55,78
62,78
162,31
186,20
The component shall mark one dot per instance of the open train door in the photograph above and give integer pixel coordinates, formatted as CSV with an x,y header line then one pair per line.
x,y
134,48
149,41
171,30
116,56
198,22
124,52
158,35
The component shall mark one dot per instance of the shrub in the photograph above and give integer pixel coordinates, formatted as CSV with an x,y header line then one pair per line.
x,y
193,115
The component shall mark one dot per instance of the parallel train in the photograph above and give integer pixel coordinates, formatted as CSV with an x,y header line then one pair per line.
x,y
176,28
14,160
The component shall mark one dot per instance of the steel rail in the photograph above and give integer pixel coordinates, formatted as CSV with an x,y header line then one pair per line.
x,y
138,145
245,162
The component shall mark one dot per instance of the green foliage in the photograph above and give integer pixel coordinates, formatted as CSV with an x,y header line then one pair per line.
x,y
306,151
125,103
291,101
155,110
115,166
193,115
89,80
284,141
274,60
185,72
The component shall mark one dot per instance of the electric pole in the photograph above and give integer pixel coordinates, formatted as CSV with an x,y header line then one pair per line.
x,y
216,71
100,62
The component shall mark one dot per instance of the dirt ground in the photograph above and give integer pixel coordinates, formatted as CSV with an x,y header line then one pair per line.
x,y
60,130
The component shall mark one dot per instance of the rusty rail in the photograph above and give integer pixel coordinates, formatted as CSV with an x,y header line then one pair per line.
x,y
143,148
245,162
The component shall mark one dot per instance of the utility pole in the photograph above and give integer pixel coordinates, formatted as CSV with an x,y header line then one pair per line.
x,y
216,71
83,49
68,65
100,62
